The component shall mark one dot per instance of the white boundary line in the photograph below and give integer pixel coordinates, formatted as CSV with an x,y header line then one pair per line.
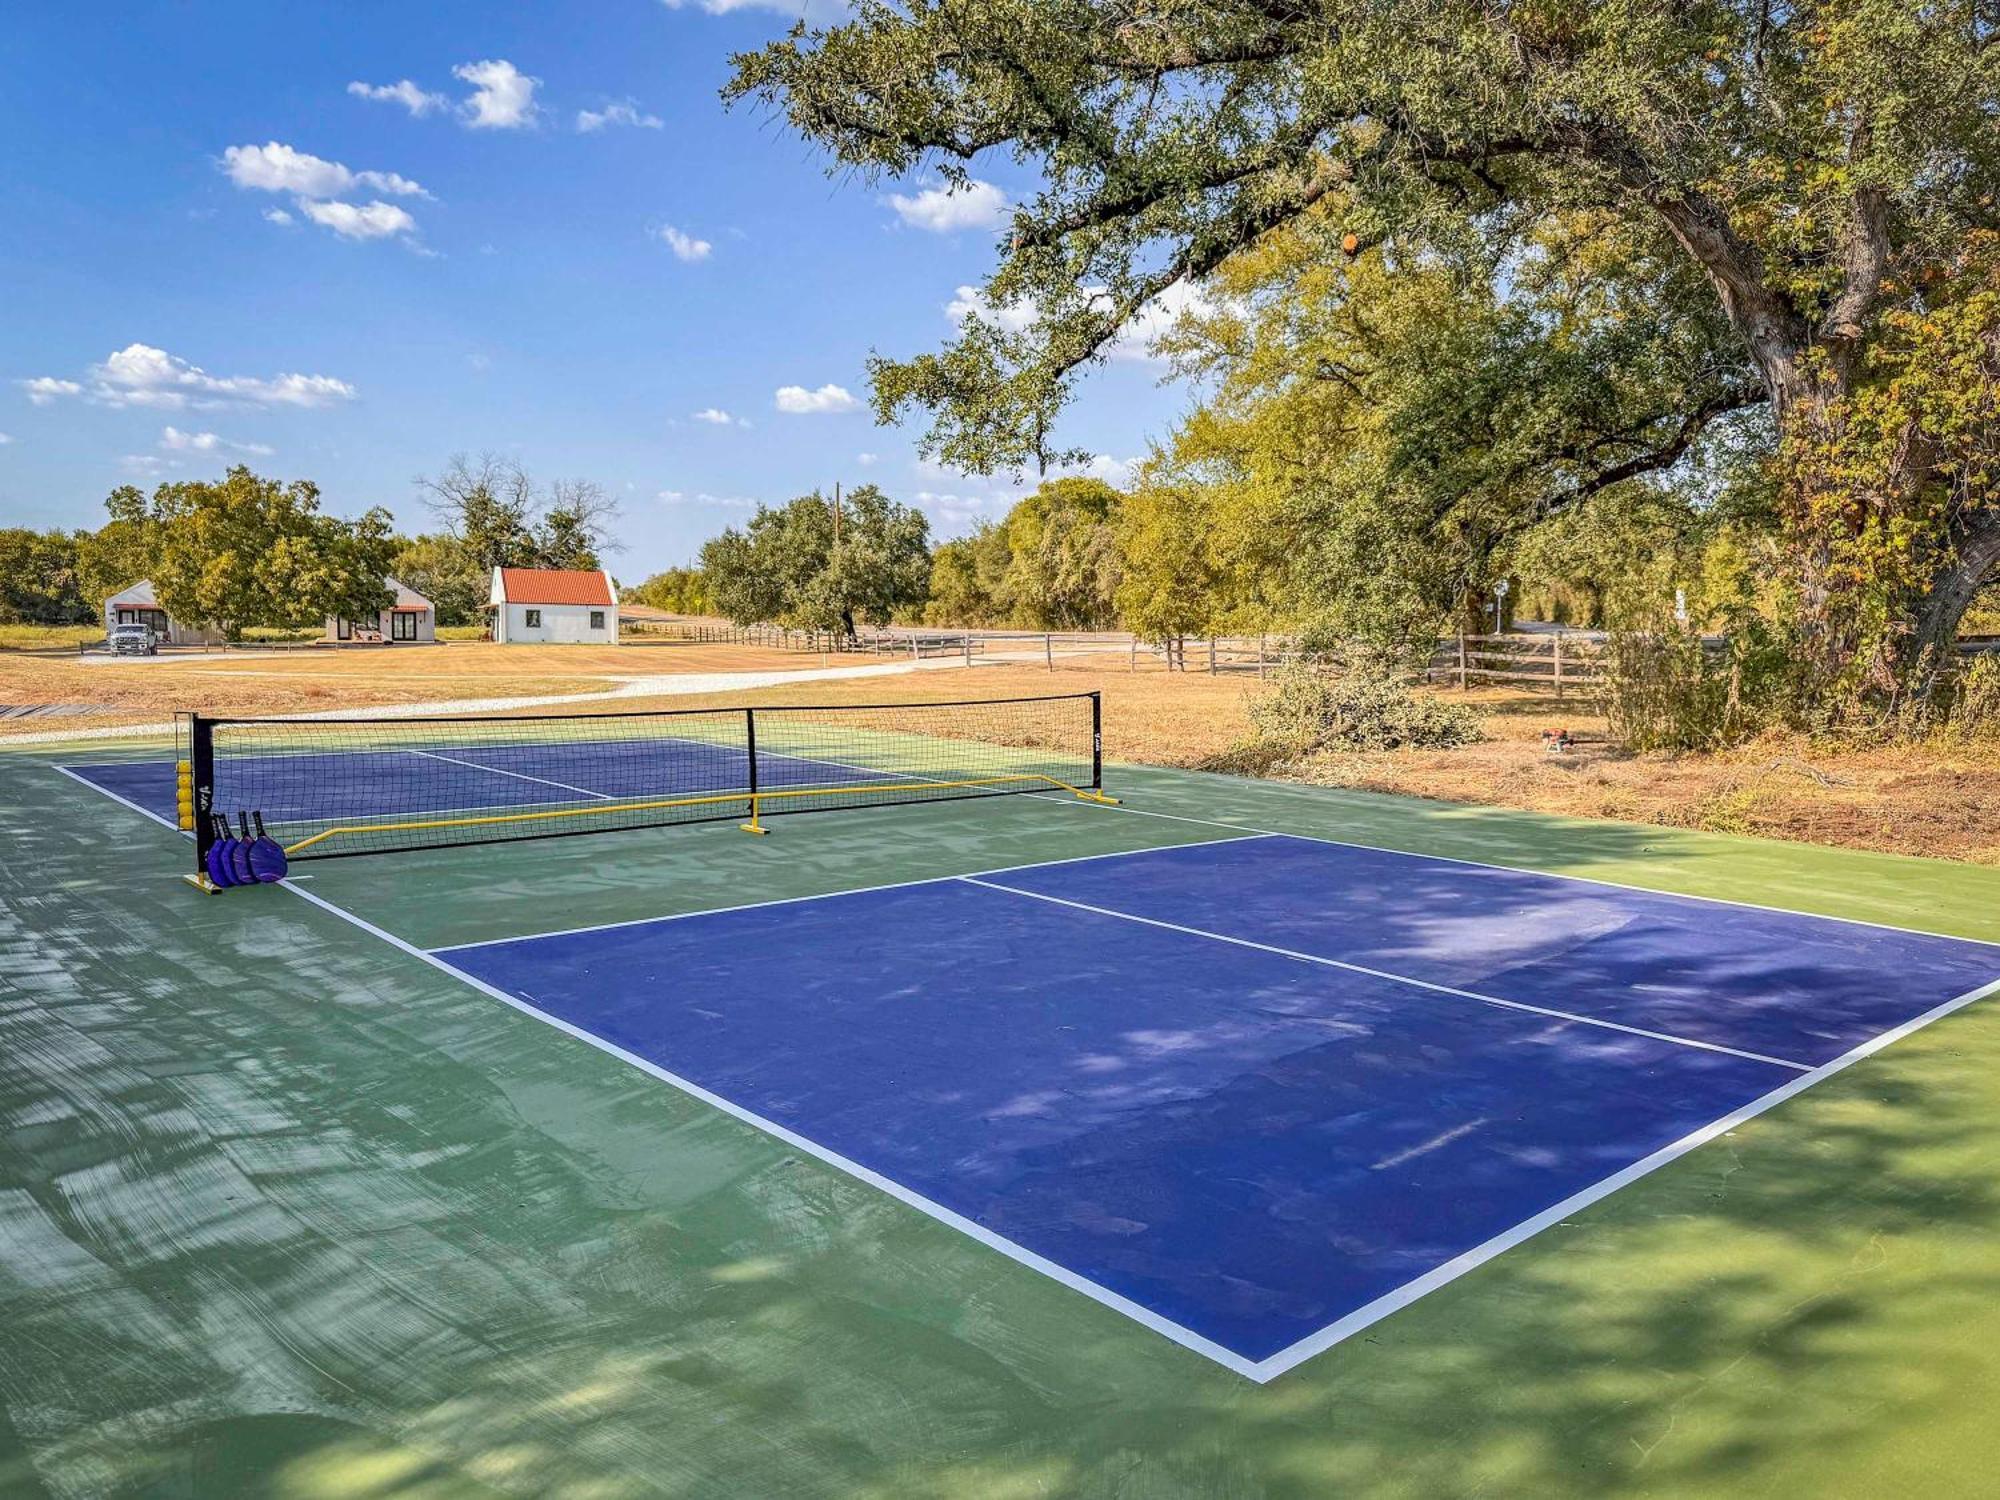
x,y
1144,1316
1352,968
1269,1368
517,775
1277,1364
1481,864
858,890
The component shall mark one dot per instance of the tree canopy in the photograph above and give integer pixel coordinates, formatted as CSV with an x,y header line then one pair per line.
x,y
1795,179
247,550
501,517
788,566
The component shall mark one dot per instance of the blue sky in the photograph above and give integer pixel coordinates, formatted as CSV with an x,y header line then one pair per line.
x,y
343,242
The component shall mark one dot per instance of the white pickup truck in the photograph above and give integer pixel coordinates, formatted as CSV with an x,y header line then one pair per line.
x,y
132,640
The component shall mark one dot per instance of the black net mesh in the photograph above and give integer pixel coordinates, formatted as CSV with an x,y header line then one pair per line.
x,y
359,786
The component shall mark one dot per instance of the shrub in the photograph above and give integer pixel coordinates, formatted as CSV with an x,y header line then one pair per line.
x,y
1669,689
1975,700
1368,706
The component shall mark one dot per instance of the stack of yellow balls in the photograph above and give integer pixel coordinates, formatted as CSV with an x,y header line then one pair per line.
x,y
184,793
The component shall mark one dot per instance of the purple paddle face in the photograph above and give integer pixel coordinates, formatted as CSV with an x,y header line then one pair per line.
x,y
267,855
219,872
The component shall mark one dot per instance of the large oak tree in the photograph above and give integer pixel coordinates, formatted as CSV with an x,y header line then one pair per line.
x,y
1831,170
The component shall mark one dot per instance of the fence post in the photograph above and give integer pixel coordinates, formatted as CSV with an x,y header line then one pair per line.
x,y
1260,654
1559,666
1135,653
1049,651
966,641
1461,661
1211,656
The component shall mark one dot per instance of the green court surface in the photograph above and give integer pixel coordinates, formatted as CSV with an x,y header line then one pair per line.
x,y
285,1210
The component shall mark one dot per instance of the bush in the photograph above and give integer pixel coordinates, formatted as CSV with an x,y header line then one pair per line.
x,y
1367,706
1975,701
1669,689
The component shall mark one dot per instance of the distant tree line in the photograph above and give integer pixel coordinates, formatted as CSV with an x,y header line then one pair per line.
x,y
245,551
1053,563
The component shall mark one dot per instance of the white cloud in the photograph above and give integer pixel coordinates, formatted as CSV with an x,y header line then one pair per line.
x,y
277,216
959,510
799,401
140,375
865,459
685,246
969,303
730,502
276,168
5,439
946,209
1116,472
367,221
1158,317
146,465
173,440
809,10
715,416
417,101
1134,342
46,388
502,98
623,112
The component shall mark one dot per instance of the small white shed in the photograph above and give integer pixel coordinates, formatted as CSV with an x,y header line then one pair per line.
x,y
554,604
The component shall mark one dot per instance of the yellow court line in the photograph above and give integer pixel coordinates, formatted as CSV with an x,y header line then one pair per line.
x,y
755,799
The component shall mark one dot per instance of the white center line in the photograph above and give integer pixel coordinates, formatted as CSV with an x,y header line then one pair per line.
x,y
1422,984
517,775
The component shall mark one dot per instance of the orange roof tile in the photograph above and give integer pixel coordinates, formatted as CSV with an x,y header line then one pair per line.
x,y
553,586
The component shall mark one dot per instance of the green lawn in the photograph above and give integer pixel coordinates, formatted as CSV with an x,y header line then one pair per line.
x,y
286,1211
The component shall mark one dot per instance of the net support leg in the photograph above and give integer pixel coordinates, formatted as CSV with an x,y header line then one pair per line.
x,y
1097,797
754,825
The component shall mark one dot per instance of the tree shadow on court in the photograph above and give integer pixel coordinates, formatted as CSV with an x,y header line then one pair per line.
x,y
284,1207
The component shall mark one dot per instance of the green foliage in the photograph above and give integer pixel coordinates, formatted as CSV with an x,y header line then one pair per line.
x,y
245,550
1054,563
678,591
1603,229
1063,562
785,566
445,572
1367,705
1173,582
120,553
968,579
1669,688
40,581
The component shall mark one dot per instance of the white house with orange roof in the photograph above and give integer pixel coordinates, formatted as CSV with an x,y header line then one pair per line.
x,y
554,604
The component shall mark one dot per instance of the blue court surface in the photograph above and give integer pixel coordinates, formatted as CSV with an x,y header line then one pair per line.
x,y
1255,1093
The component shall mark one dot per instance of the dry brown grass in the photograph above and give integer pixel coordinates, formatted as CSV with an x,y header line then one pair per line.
x,y
1909,799
143,689
1906,799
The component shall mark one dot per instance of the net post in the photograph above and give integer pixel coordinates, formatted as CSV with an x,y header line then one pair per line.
x,y
750,754
201,761
1096,741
